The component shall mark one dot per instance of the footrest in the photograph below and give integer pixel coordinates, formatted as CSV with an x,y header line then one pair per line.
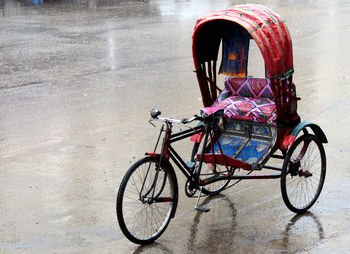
x,y
242,145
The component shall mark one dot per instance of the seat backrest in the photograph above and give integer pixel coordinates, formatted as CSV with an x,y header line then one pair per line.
x,y
249,87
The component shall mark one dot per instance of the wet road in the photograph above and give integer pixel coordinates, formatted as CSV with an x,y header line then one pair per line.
x,y
78,79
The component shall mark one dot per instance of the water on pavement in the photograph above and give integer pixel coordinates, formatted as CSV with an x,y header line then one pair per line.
x,y
78,79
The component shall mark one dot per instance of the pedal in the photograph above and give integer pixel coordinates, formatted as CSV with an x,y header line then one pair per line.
x,y
191,165
202,209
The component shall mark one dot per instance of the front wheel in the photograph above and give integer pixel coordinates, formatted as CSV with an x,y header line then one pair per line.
x,y
303,173
147,200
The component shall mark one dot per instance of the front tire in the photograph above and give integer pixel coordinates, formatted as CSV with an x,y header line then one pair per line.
x,y
141,218
303,173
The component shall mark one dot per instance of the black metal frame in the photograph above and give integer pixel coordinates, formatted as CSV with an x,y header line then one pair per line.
x,y
169,152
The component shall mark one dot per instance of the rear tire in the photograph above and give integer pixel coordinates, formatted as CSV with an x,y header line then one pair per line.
x,y
303,173
142,219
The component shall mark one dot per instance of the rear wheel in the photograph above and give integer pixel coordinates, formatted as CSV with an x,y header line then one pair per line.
x,y
303,173
208,173
144,207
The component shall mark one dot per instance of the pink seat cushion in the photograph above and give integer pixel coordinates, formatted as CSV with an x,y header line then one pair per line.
x,y
248,99
249,87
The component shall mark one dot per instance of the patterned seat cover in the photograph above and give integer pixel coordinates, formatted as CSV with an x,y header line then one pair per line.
x,y
249,99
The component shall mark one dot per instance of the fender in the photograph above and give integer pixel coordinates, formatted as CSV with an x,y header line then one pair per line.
x,y
291,135
157,155
153,155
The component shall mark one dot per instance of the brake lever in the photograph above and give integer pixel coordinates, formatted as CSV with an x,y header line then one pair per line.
x,y
150,121
184,120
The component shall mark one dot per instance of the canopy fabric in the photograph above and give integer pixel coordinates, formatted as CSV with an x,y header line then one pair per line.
x,y
264,25
235,48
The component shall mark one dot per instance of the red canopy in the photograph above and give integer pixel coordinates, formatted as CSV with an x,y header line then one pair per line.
x,y
264,25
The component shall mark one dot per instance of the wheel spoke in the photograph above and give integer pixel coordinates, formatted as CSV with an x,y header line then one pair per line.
x,y
142,221
300,191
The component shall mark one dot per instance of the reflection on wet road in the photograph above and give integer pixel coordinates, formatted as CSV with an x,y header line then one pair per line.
x,y
78,79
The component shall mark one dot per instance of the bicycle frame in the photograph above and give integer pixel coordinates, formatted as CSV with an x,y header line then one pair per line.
x,y
168,152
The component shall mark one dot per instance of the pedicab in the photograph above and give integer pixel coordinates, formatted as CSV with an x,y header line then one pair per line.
x,y
247,123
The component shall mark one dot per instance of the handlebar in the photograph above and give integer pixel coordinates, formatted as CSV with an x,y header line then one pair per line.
x,y
205,118
155,116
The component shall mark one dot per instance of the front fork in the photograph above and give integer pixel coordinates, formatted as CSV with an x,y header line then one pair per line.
x,y
164,154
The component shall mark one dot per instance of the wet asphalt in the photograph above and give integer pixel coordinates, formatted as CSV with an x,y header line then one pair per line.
x,y
77,82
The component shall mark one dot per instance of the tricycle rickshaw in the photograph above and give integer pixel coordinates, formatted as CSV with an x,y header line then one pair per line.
x,y
241,126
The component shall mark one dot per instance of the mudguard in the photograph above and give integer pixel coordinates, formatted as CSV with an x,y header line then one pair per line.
x,y
291,135
154,155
